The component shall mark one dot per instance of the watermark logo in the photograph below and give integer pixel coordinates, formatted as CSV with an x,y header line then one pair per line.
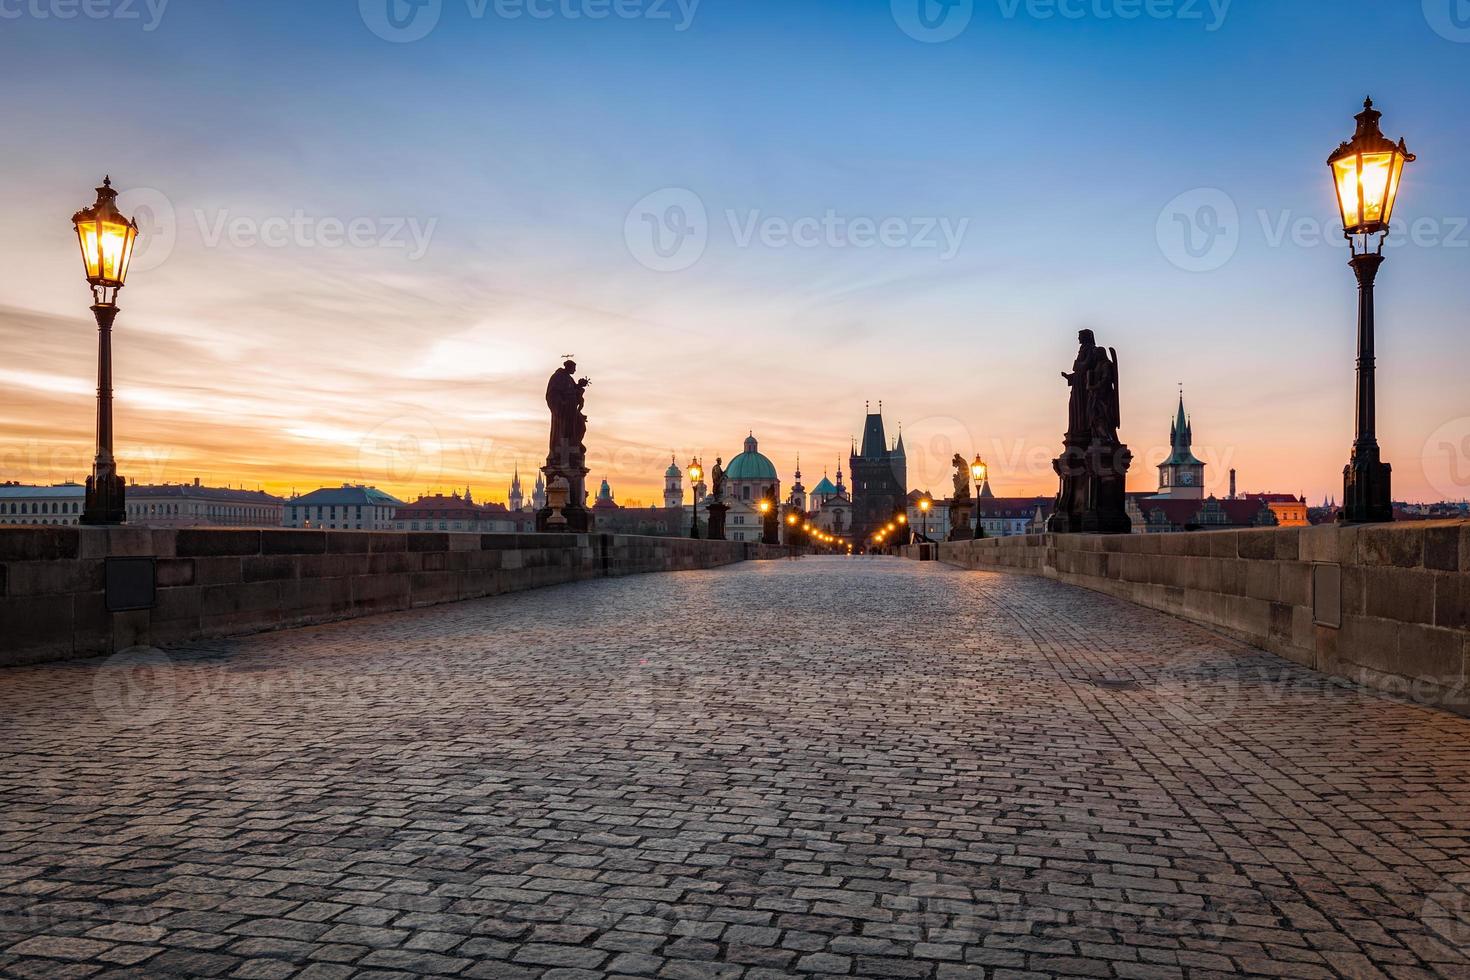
x,y
933,21
158,226
135,687
147,13
401,450
668,230
1199,231
405,21
1447,911
401,21
1450,19
1446,459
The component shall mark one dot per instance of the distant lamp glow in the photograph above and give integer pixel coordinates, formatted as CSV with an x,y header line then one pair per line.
x,y
765,506
791,519
925,503
1366,172
107,239
695,471
979,470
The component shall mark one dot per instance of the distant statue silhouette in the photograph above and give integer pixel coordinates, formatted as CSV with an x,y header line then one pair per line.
x,y
717,481
1093,411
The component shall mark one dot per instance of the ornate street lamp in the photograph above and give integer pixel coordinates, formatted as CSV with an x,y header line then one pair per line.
x,y
924,504
980,472
107,239
695,472
1366,171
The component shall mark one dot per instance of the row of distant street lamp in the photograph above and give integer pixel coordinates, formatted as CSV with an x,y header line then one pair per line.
x,y
1366,174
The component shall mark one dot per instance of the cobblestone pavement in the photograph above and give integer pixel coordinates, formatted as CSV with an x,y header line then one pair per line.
x,y
849,767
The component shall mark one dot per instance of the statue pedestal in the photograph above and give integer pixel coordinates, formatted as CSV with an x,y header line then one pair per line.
x,y
959,520
1093,498
717,514
572,516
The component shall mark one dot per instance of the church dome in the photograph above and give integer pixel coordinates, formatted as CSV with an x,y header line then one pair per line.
x,y
751,465
823,489
673,469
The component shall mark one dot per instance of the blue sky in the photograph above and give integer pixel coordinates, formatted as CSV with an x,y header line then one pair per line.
x,y
500,164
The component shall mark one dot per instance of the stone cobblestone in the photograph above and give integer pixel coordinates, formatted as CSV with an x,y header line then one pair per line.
x,y
826,767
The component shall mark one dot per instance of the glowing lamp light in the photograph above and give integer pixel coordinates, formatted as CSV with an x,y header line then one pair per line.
x,y
765,506
695,471
1365,174
791,519
979,470
107,239
925,504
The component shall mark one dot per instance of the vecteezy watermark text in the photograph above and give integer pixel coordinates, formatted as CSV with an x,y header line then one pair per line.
x,y
301,230
148,12
936,21
405,21
669,230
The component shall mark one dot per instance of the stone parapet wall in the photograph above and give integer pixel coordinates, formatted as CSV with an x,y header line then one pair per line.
x,y
1387,606
76,592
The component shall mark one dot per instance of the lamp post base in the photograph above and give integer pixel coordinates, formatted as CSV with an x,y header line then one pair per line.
x,y
1367,488
106,501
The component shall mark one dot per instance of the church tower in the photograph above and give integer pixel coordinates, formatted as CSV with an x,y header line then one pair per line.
x,y
517,498
798,491
1181,476
538,496
673,484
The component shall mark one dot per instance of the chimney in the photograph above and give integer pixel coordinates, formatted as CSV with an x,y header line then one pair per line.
x,y
1232,483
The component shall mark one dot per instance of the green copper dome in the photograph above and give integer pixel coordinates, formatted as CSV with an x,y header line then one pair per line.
x,y
673,469
751,465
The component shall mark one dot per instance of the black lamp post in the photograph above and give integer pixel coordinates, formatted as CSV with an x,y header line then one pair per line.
x,y
695,472
1365,172
107,239
924,504
980,472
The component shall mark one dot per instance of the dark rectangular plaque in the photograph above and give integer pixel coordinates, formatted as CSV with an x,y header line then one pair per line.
x,y
130,584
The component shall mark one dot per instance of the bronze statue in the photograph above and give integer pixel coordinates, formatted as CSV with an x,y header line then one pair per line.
x,y
567,459
1093,412
566,397
1094,463
961,477
717,481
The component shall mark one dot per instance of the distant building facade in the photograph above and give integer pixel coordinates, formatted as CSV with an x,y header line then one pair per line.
x,y
148,505
350,507
438,512
1154,515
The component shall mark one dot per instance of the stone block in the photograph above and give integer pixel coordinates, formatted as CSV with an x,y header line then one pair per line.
x,y
174,604
1431,654
91,624
422,541
1401,546
131,629
373,588
1402,594
170,572
464,542
434,561
1369,642
1288,543
130,542
293,542
1442,548
32,578
268,568
1319,543
223,600
429,588
39,543
1295,585
1256,544
1452,601
1221,544
216,542
348,542
380,542
216,571
35,625
1262,580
